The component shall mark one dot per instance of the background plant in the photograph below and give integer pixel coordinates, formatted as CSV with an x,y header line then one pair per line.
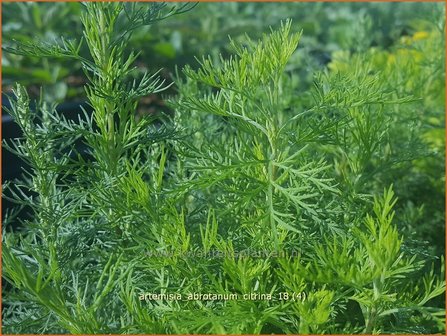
x,y
252,159
171,43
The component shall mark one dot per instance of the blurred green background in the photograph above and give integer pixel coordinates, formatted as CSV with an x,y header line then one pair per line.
x,y
327,28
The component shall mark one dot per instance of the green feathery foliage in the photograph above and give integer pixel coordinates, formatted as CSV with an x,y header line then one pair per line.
x,y
255,189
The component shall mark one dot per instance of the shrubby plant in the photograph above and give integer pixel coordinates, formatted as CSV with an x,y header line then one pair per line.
x,y
416,130
166,206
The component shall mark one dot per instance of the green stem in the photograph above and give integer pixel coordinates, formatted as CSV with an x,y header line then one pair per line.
x,y
371,320
270,203
372,311
270,133
303,328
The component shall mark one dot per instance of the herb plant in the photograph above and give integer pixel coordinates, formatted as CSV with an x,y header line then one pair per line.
x,y
256,208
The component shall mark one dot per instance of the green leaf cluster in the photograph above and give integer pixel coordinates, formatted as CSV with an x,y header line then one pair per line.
x,y
253,188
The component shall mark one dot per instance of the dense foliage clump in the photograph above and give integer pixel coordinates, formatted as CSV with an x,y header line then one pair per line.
x,y
260,205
